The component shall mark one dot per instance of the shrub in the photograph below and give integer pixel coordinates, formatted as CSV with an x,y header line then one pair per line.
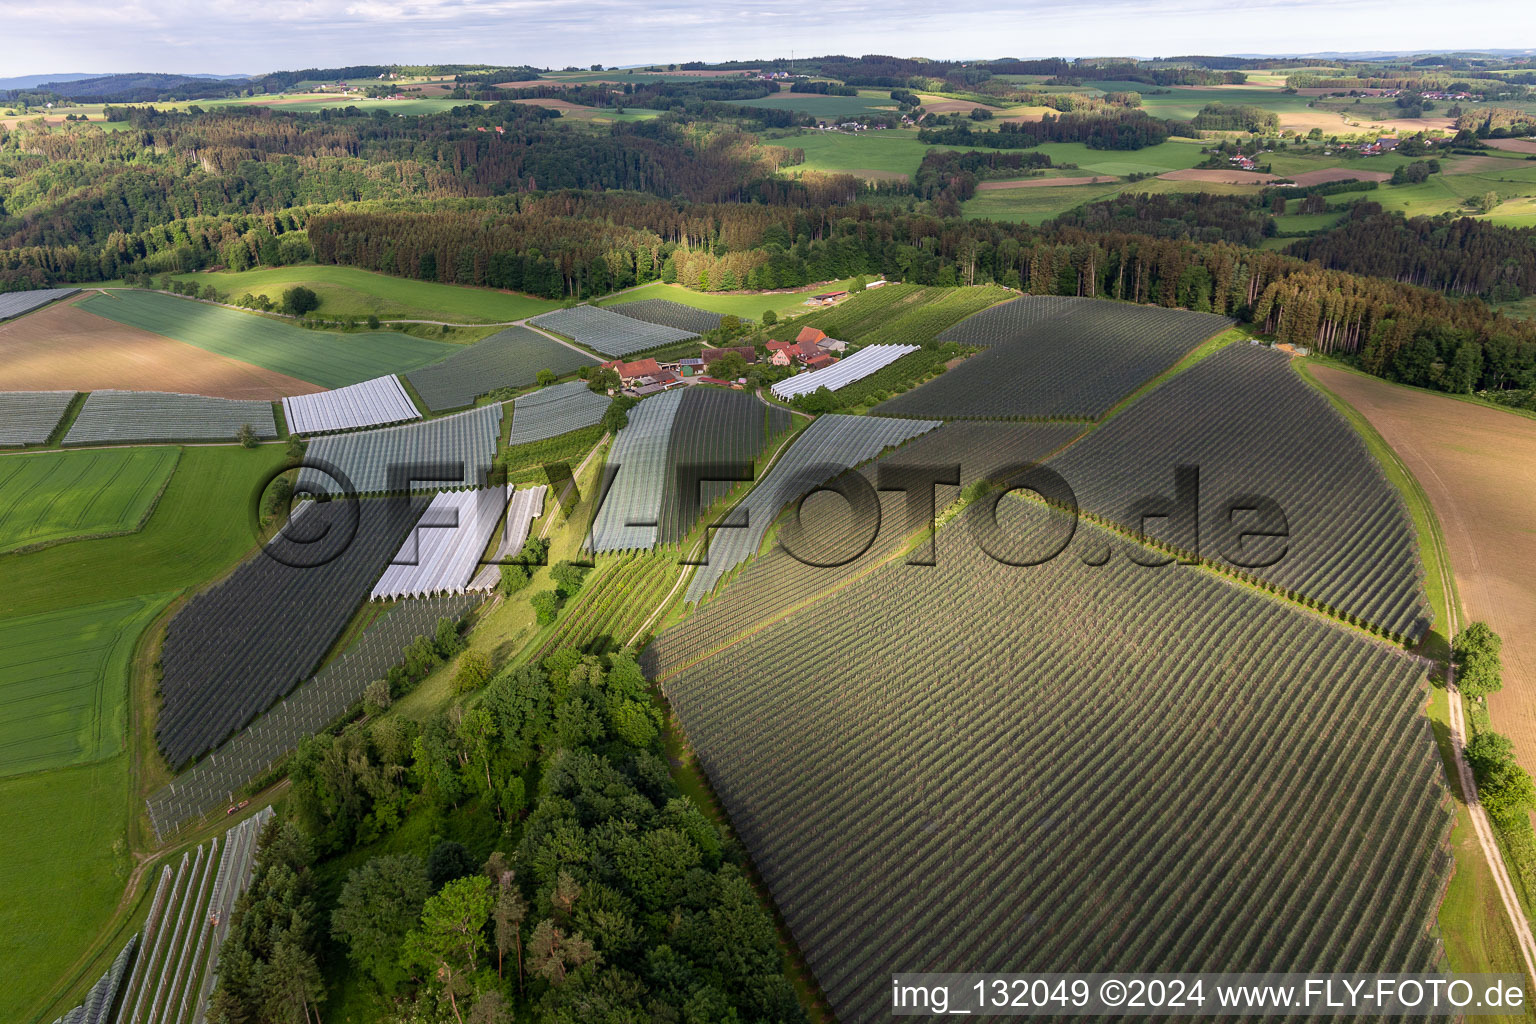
x,y
546,605
474,671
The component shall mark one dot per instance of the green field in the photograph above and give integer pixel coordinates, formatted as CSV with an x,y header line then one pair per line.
x,y
829,108
62,863
348,291
320,357
64,683
748,307
201,526
62,872
47,497
1035,205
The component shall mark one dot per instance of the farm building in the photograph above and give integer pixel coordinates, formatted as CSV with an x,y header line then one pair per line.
x,y
819,360
811,334
690,367
780,357
629,372
825,298
805,351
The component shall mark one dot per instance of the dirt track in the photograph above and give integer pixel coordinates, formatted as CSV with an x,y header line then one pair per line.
x,y
68,349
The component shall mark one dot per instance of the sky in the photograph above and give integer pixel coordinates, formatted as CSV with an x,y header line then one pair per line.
x,y
252,36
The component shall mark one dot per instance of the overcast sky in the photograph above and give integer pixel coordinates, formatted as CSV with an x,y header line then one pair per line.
x,y
248,36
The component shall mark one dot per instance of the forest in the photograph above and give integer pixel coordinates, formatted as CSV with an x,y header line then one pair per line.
x,y
556,831
561,210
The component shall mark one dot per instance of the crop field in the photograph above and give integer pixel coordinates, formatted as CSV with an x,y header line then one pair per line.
x,y
857,742
603,330
635,477
827,447
444,551
235,649
29,417
1462,455
713,426
1035,205
65,347
615,604
669,314
200,527
373,461
14,304
555,410
828,108
118,417
49,497
1052,357
898,314
189,918
327,359
351,292
308,710
844,372
776,581
62,876
369,403
64,683
1252,427
508,359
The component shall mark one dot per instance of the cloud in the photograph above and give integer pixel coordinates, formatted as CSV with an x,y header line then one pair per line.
x,y
233,36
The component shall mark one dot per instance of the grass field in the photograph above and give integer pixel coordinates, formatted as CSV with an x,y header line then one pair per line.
x,y
62,869
900,152
746,306
1461,453
330,360
46,497
64,347
829,108
1035,205
63,683
348,291
201,526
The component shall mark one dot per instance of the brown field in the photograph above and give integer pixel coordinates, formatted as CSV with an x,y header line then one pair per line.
x,y
1221,177
1479,164
1478,467
1513,145
1097,179
1328,174
65,348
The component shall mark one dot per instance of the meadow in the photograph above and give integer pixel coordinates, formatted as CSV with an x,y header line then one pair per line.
x,y
64,683
63,866
828,108
748,307
201,526
63,855
350,292
328,359
47,497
